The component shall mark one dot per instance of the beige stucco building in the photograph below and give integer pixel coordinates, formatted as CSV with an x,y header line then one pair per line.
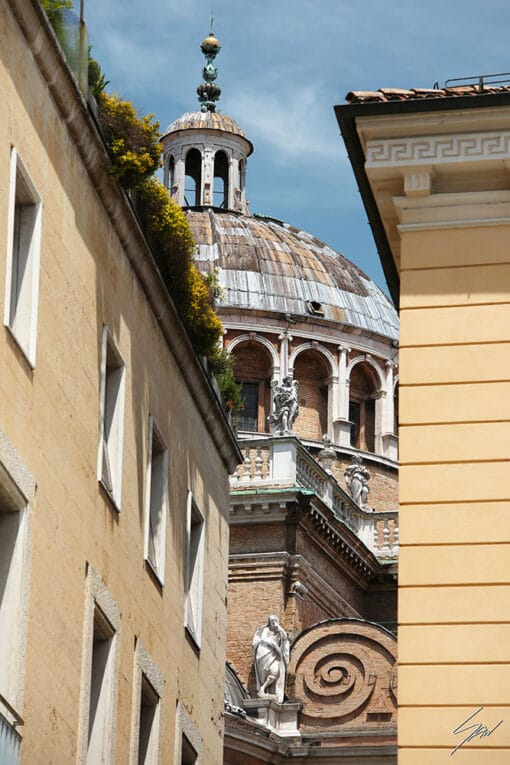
x,y
114,453
432,167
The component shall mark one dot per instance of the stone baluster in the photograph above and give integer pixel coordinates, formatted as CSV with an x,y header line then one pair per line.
x,y
258,465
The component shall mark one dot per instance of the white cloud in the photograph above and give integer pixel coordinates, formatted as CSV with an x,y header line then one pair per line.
x,y
297,123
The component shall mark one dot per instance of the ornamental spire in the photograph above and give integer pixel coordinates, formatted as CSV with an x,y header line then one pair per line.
x,y
208,91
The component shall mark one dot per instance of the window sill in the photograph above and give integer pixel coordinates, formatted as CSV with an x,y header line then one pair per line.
x,y
111,499
154,574
20,348
9,713
193,639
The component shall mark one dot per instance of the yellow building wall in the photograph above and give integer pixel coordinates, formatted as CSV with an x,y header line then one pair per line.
x,y
454,571
50,416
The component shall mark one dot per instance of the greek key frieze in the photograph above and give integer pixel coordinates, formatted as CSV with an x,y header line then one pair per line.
x,y
435,149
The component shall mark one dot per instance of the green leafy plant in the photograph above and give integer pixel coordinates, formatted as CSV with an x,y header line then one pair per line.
x,y
96,78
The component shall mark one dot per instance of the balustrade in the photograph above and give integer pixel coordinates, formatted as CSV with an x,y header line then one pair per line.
x,y
285,462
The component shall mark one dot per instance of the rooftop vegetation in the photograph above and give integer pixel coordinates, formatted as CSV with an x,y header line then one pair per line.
x,y
132,143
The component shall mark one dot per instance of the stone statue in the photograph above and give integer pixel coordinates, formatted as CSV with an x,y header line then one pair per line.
x,y
357,478
286,407
271,657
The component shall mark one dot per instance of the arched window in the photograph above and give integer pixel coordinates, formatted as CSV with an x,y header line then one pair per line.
x,y
362,407
311,371
252,368
171,172
193,181
220,190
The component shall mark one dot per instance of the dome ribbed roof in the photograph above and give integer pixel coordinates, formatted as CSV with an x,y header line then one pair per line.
x,y
266,265
207,121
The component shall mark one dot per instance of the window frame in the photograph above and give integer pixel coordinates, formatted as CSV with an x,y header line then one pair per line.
x,y
99,605
154,434
112,487
146,670
23,301
17,495
194,568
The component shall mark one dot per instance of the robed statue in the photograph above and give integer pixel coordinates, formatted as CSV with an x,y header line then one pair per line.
x,y
271,657
286,409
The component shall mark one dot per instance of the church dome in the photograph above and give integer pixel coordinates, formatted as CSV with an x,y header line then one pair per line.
x,y
267,266
206,121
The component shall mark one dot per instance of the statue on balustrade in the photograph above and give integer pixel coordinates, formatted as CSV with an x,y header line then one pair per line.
x,y
357,478
286,407
271,657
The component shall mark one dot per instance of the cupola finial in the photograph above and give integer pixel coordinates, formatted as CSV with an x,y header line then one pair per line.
x,y
208,91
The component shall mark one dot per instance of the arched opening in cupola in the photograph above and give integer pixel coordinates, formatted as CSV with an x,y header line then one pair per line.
x,y
311,370
252,369
220,187
362,395
193,180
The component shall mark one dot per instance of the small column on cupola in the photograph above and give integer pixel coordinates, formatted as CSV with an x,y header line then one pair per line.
x,y
205,152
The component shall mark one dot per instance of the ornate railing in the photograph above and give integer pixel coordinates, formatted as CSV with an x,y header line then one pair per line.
x,y
283,461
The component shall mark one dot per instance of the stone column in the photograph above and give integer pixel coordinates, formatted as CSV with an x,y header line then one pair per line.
x,y
341,423
284,339
389,439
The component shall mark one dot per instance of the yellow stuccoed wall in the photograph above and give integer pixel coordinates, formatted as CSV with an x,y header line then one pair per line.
x,y
50,416
454,574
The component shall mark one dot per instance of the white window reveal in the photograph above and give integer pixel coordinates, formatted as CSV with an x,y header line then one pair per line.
x,y
101,691
148,685
156,505
100,664
111,418
23,255
195,543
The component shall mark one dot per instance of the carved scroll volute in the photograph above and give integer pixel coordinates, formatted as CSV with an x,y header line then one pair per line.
x,y
343,673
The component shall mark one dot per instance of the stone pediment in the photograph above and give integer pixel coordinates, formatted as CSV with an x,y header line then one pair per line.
x,y
343,673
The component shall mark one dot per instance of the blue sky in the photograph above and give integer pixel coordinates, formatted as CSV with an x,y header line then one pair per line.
x,y
284,64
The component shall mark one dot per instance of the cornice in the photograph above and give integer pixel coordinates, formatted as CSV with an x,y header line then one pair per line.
x,y
86,138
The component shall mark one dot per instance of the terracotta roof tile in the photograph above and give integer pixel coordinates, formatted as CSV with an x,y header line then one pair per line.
x,y
397,94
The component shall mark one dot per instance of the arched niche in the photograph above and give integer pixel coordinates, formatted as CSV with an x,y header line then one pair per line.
x,y
252,369
312,372
363,389
220,187
193,178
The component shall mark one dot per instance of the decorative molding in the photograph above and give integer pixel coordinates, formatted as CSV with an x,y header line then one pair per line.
x,y
342,673
463,147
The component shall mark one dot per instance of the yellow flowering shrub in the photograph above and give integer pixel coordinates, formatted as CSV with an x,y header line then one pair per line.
x,y
135,152
132,141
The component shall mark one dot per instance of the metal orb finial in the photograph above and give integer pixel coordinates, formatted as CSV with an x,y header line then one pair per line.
x,y
208,91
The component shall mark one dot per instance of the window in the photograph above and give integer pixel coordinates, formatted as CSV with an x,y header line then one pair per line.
x,y
111,416
148,725
188,754
23,253
194,570
148,684
193,178
12,537
247,419
220,189
100,669
156,501
188,741
101,691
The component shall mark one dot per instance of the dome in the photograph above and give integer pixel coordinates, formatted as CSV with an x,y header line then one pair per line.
x,y
269,266
207,121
